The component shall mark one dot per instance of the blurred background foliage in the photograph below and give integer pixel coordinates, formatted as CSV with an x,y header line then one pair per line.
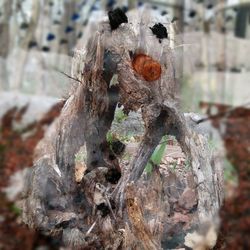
x,y
41,36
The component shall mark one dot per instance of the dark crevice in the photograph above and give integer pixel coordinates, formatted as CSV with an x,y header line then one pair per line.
x,y
104,209
113,175
99,152
118,147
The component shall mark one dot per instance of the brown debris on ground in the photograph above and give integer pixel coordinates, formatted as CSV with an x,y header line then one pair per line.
x,y
235,214
16,153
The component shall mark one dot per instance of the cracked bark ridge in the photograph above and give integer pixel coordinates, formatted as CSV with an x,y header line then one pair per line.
x,y
98,212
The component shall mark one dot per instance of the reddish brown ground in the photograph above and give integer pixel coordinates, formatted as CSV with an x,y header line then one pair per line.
x,y
16,154
235,213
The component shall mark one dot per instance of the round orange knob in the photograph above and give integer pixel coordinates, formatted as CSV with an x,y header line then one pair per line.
x,y
147,67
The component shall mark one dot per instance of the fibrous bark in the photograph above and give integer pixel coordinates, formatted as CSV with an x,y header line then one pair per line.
x,y
114,207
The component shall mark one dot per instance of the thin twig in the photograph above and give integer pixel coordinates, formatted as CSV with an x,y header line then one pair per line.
x,y
70,77
109,205
91,228
104,192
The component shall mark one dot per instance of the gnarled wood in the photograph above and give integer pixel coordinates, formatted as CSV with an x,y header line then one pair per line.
x,y
98,211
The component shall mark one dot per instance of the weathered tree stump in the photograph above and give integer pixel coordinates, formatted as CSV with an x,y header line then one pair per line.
x,y
109,206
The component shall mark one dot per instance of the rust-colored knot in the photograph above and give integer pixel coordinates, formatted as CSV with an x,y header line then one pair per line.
x,y
147,67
